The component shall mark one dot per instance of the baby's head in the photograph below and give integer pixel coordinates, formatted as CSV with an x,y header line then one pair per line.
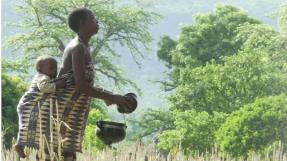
x,y
47,65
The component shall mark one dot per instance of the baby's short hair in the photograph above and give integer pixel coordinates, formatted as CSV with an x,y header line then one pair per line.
x,y
78,15
41,60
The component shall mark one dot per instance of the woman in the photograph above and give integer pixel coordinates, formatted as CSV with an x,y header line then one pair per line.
x,y
78,68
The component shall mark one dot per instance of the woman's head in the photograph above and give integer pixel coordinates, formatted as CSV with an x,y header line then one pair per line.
x,y
47,65
83,20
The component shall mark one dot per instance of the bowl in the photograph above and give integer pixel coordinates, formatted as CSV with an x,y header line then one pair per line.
x,y
133,107
110,132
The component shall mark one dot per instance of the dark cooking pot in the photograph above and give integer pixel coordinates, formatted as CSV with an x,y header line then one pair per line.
x,y
111,132
133,106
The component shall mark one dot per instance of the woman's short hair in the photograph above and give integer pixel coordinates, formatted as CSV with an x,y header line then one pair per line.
x,y
77,16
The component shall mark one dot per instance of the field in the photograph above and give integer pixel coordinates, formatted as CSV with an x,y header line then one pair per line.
x,y
138,152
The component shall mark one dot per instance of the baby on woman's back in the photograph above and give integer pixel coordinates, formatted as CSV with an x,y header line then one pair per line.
x,y
43,81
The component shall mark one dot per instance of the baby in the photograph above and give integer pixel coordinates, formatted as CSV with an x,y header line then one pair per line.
x,y
46,67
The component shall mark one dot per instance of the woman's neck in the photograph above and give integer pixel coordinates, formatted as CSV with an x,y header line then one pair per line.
x,y
84,38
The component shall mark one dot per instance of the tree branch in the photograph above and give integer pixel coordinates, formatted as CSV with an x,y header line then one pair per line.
x,y
167,86
63,19
61,44
107,74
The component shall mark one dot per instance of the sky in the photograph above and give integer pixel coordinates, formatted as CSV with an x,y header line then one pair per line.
x,y
174,15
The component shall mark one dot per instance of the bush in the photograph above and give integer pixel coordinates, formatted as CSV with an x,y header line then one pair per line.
x,y
194,132
254,127
13,88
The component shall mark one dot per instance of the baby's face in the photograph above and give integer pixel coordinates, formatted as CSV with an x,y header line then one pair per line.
x,y
49,68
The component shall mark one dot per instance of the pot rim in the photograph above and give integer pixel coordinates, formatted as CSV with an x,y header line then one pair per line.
x,y
111,124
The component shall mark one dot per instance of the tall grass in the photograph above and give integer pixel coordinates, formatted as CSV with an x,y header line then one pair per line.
x,y
139,152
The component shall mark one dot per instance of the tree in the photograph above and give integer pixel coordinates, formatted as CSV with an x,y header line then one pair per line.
x,y
13,88
211,37
227,87
46,32
194,132
254,127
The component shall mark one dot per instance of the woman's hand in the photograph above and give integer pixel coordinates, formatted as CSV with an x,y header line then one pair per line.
x,y
60,83
122,101
107,102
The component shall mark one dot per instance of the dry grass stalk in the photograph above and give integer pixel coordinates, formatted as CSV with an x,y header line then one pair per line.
x,y
51,150
41,152
58,125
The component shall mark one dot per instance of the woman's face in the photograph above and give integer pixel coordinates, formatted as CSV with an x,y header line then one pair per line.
x,y
91,25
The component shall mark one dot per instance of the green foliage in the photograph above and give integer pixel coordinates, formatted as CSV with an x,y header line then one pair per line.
x,y
170,141
91,142
10,66
259,36
227,87
193,131
255,126
166,45
12,89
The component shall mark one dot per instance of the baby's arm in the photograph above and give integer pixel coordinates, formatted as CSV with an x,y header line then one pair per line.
x,y
45,85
